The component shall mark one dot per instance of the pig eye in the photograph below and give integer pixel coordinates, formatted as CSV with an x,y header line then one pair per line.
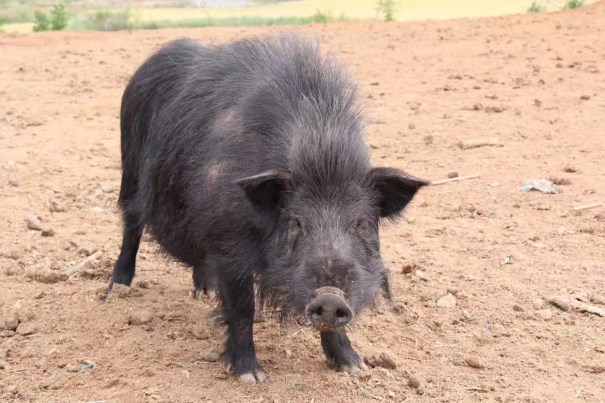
x,y
361,227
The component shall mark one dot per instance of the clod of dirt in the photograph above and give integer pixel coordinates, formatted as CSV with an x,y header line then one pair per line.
x,y
210,356
453,175
518,308
7,333
447,301
143,284
138,318
10,322
48,232
560,181
87,249
48,276
384,360
585,97
200,331
570,169
414,381
25,329
474,362
13,182
33,222
14,270
538,303
12,254
408,268
55,206
544,314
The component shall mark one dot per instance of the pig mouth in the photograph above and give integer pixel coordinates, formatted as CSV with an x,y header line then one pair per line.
x,y
328,310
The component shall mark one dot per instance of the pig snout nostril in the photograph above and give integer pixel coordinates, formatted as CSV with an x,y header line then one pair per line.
x,y
329,311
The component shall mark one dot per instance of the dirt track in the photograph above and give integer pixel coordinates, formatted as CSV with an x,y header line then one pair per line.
x,y
535,83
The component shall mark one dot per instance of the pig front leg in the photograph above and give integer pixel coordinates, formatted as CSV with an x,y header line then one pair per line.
x,y
237,297
340,353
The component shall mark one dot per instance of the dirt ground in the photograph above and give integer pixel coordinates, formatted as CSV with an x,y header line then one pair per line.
x,y
533,83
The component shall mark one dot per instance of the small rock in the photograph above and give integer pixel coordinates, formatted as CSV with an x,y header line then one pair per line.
x,y
386,360
408,268
13,183
33,222
12,254
474,362
97,210
39,295
143,284
544,314
453,175
87,249
411,126
54,206
7,333
25,329
538,303
140,318
585,97
414,381
210,356
107,189
518,308
288,353
148,372
48,232
447,301
421,275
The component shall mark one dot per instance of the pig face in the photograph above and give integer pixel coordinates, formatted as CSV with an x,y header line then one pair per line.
x,y
325,238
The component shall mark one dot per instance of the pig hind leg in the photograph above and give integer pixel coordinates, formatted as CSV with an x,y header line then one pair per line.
x,y
124,269
340,353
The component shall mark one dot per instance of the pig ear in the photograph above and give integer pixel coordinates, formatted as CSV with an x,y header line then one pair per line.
x,y
265,190
395,189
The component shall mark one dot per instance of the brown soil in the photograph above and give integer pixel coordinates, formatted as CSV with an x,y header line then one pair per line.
x,y
534,83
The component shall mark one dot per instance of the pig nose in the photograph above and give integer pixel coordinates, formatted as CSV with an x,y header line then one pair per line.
x,y
329,310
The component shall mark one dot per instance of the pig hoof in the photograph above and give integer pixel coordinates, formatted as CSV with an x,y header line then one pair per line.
x,y
211,295
250,378
353,369
197,294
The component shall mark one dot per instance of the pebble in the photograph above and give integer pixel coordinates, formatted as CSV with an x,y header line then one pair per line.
x,y
421,275
288,353
33,222
544,314
55,206
538,303
142,317
12,254
408,268
7,333
48,232
474,362
414,381
447,301
143,284
25,329
13,183
453,175
585,97
87,249
210,356
107,189
518,308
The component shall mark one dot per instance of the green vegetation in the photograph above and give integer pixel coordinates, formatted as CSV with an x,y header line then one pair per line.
x,y
387,9
57,20
42,22
536,7
3,20
105,20
571,4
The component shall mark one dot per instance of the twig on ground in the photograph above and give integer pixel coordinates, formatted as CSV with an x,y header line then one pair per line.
x,y
456,179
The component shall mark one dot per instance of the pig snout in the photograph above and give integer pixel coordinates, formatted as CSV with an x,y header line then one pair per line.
x,y
328,309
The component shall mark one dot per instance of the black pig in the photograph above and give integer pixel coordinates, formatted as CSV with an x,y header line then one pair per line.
x,y
247,161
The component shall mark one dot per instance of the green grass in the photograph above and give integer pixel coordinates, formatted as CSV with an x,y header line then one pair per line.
x,y
571,4
536,7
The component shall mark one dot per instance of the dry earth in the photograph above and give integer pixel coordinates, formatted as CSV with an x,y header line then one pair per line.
x,y
534,83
